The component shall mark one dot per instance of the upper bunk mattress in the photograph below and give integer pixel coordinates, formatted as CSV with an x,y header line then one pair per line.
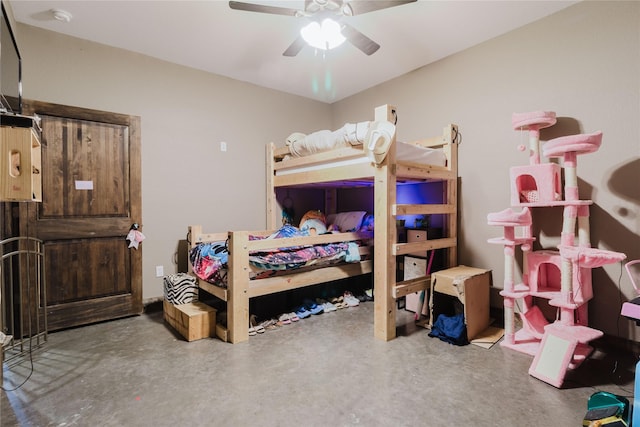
x,y
405,152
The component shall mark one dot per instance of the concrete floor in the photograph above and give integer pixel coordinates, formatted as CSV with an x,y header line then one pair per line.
x,y
327,370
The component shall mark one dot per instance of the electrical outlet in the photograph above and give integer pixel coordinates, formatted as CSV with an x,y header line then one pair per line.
x,y
159,271
223,146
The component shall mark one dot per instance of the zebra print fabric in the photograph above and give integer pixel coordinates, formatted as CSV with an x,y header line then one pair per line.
x,y
180,288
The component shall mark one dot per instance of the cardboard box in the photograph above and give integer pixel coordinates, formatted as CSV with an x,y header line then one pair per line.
x,y
470,286
194,320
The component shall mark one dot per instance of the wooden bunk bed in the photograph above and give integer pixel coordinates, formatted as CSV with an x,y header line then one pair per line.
x,y
331,170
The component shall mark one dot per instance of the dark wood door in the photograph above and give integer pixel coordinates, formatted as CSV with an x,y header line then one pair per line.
x,y
91,196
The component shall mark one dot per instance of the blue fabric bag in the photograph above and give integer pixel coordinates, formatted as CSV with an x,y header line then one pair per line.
x,y
451,329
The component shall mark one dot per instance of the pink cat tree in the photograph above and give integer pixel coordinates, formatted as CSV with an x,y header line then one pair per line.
x,y
562,276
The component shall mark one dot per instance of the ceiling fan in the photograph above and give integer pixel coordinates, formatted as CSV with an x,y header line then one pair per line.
x,y
318,10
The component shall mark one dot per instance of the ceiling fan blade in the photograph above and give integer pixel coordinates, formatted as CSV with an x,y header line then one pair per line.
x,y
252,7
359,40
358,7
311,6
295,47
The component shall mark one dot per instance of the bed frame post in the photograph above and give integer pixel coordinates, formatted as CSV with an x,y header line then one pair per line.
x,y
384,276
238,297
272,200
451,133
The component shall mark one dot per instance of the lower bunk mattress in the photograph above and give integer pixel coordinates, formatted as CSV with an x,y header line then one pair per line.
x,y
210,260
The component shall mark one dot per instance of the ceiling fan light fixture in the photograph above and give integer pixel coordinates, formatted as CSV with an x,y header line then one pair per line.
x,y
61,15
326,35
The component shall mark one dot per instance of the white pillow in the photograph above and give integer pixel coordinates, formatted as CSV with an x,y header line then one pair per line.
x,y
346,221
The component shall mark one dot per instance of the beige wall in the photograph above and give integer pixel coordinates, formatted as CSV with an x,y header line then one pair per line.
x,y
583,63
185,115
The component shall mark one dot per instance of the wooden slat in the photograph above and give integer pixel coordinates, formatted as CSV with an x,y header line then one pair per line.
x,y
321,275
320,158
257,245
262,244
449,133
410,286
340,173
433,142
433,209
427,173
214,290
210,237
427,245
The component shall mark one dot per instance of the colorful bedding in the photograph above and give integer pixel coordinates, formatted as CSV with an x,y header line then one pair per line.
x,y
210,260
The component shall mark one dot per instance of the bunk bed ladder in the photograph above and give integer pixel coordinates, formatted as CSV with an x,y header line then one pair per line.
x,y
386,287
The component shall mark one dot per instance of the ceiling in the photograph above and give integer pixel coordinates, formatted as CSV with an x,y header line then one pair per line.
x,y
248,46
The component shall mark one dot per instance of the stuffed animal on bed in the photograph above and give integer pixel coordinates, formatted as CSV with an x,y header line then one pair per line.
x,y
344,222
368,223
313,222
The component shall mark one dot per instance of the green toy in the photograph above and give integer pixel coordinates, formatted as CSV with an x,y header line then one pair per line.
x,y
607,409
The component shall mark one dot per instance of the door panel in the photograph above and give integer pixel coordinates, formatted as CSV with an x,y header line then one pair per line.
x,y
85,169
109,276
91,197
